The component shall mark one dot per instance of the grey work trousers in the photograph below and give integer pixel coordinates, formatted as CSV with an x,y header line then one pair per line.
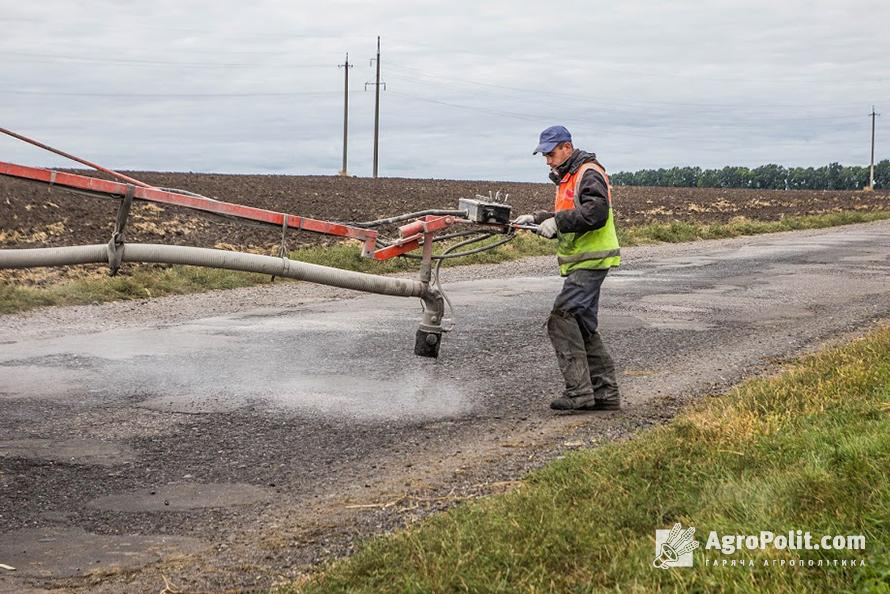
x,y
583,359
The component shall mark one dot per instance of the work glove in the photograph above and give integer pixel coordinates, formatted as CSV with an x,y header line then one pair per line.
x,y
526,219
547,228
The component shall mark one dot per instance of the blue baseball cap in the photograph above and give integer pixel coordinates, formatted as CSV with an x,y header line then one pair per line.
x,y
551,137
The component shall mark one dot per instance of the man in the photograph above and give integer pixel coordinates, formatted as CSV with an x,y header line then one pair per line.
x,y
582,222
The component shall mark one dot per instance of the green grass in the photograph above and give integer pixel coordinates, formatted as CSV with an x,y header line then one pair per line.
x,y
138,282
680,231
808,449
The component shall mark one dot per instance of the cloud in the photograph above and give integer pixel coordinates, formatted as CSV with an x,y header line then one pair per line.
x,y
220,86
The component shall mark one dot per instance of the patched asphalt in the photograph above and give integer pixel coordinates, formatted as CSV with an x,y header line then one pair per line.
x,y
234,439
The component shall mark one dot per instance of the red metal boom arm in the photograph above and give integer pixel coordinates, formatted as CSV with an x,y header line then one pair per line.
x,y
156,195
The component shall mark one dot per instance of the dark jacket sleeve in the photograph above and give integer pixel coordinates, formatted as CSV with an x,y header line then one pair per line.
x,y
543,215
592,211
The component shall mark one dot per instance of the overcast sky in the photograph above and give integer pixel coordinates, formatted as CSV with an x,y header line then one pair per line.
x,y
254,87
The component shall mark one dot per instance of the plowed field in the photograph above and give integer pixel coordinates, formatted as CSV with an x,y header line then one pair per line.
x,y
33,215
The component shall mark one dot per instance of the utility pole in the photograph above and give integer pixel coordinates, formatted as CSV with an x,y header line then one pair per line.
x,y
345,66
871,174
376,105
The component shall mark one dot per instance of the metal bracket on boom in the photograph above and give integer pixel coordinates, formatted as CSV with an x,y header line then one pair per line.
x,y
428,338
116,245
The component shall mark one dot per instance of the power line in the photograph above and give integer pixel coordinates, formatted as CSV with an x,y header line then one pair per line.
x,y
755,125
528,117
594,101
622,109
713,137
135,61
625,69
167,95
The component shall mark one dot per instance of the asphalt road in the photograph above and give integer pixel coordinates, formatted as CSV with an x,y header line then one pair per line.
x,y
232,440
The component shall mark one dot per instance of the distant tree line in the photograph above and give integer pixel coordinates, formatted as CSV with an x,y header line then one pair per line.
x,y
776,177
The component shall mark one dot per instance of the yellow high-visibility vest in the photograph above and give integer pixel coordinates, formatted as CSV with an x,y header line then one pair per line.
x,y
595,249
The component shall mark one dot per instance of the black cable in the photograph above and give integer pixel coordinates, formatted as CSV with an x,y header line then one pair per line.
x,y
446,255
490,246
448,236
404,217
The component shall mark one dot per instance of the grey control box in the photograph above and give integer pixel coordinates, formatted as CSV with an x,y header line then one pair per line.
x,y
485,212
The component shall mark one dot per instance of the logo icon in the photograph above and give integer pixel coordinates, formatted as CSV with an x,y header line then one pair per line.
x,y
673,548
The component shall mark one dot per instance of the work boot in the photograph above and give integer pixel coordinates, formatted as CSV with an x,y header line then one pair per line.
x,y
571,356
597,404
602,370
573,402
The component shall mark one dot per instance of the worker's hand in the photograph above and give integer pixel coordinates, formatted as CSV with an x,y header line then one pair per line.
x,y
547,228
526,219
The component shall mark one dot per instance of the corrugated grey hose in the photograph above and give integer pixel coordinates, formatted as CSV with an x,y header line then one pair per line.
x,y
194,256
